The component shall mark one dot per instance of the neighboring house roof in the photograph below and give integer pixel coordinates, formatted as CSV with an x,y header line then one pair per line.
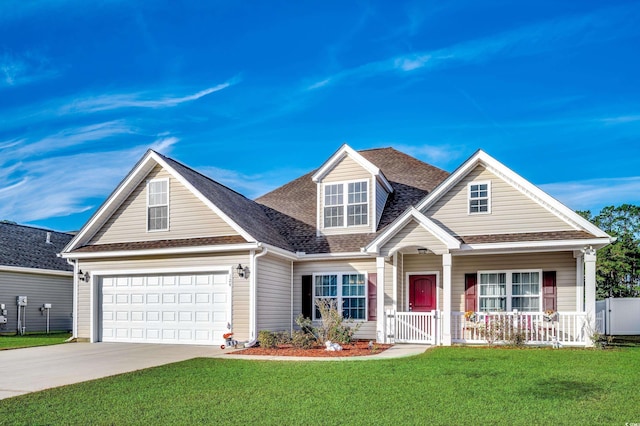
x,y
27,247
293,206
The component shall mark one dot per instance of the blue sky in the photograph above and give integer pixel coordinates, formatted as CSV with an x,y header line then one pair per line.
x,y
254,94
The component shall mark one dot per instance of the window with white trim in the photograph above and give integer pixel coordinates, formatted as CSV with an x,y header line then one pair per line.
x,y
479,197
348,290
509,290
333,205
355,204
158,205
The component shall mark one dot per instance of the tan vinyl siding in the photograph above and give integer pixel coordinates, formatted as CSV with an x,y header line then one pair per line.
x,y
562,262
381,201
368,328
39,289
412,235
348,170
189,217
511,211
274,293
84,310
143,265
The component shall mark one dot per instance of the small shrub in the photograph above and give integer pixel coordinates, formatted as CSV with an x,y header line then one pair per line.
x,y
517,336
306,325
333,327
267,339
282,338
601,341
302,340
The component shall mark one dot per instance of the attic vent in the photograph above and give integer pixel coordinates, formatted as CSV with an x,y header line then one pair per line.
x,y
49,238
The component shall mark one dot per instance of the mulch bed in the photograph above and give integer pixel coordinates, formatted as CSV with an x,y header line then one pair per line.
x,y
358,348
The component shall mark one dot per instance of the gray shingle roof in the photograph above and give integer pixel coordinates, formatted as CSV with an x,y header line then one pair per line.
x,y
27,247
245,212
292,207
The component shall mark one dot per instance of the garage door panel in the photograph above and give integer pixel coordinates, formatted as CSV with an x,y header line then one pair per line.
x,y
168,298
181,308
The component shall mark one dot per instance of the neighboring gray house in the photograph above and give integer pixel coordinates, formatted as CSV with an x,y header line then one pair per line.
x,y
30,266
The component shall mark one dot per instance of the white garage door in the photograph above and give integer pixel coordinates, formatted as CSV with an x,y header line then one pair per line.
x,y
185,308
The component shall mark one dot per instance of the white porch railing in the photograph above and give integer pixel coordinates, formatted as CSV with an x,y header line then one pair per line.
x,y
535,328
412,327
565,328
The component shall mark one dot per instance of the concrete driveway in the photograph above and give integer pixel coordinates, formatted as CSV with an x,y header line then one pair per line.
x,y
33,369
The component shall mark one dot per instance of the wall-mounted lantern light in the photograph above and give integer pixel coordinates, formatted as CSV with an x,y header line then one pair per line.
x,y
243,272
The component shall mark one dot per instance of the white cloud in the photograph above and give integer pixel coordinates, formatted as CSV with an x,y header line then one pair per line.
x,y
61,183
65,138
136,100
593,194
164,144
28,67
605,24
250,185
437,155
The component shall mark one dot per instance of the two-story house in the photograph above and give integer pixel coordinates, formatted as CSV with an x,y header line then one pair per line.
x,y
403,247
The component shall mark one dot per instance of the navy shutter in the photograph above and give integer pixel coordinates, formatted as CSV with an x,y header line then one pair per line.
x,y
307,296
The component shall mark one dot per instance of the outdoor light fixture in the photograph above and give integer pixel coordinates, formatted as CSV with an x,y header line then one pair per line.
x,y
84,276
422,250
242,272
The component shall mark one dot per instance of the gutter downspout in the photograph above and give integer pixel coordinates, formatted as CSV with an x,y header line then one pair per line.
x,y
291,297
253,287
74,327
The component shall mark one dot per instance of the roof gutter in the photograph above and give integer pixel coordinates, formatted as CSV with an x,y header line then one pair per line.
x,y
25,270
529,246
161,251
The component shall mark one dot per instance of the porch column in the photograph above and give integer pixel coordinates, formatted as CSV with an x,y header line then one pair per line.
x,y
446,299
579,282
381,333
590,291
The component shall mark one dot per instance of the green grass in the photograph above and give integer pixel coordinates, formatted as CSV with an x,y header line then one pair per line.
x,y
26,341
453,385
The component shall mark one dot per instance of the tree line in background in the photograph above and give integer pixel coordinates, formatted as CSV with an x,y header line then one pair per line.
x,y
618,264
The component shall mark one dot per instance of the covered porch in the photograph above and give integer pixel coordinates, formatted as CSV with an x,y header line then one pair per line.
x,y
432,296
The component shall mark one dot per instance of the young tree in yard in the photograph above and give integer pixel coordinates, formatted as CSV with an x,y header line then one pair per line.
x,y
618,267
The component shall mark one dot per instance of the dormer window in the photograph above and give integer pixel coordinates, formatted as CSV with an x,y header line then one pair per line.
x,y
479,197
158,205
356,204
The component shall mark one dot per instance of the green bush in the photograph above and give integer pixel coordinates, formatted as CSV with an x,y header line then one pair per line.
x,y
282,337
333,324
302,340
266,339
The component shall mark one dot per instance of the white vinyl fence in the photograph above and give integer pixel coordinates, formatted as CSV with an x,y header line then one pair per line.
x,y
621,315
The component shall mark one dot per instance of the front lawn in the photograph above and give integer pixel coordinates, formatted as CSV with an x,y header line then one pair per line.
x,y
26,341
456,385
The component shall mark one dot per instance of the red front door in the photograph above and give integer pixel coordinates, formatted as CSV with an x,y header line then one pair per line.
x,y
422,293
